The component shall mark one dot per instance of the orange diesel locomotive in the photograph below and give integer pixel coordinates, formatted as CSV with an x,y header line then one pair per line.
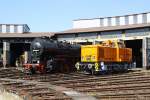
x,y
105,57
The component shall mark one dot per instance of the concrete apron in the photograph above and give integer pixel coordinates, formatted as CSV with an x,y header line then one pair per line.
x,y
4,95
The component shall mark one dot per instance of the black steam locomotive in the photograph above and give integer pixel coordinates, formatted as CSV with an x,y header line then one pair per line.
x,y
48,55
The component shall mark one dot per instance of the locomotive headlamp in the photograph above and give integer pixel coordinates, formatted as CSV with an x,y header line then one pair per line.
x,y
38,61
102,66
102,63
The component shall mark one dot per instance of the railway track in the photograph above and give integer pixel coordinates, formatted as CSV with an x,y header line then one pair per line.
x,y
134,85
31,91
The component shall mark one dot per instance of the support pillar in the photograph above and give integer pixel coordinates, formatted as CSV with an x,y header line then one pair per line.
x,y
6,56
26,54
146,53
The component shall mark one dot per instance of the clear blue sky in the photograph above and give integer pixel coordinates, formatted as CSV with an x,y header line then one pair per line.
x,y
57,15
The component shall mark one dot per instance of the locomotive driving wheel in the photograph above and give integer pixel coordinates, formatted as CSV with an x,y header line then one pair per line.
x,y
50,65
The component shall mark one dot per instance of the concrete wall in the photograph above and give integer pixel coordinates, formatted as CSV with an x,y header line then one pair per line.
x,y
111,34
86,23
112,21
137,32
14,28
87,36
66,37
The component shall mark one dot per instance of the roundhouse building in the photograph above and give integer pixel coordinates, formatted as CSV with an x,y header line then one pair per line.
x,y
134,29
15,41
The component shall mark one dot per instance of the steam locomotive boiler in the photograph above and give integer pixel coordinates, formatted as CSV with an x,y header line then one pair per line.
x,y
49,56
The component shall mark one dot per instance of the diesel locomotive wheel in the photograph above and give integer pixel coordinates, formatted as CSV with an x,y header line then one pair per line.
x,y
92,71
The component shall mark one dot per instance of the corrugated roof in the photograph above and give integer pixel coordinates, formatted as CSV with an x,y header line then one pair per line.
x,y
26,35
107,28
